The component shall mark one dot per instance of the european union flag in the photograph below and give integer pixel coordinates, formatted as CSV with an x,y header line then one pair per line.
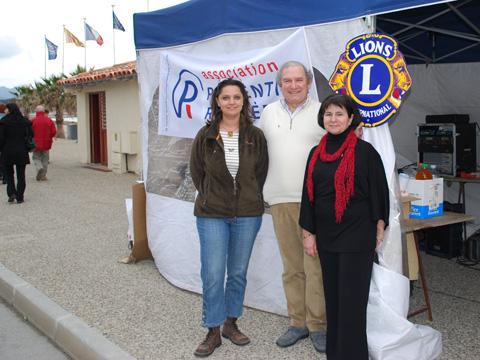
x,y
52,49
116,23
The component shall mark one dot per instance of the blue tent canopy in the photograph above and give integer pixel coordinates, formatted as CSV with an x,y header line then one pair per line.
x,y
429,31
197,20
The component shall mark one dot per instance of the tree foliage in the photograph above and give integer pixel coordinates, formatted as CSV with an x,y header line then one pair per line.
x,y
27,98
47,92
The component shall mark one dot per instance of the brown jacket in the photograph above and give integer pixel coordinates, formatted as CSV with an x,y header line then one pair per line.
x,y
219,195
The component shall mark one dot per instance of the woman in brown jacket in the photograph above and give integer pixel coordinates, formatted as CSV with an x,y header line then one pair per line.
x,y
229,165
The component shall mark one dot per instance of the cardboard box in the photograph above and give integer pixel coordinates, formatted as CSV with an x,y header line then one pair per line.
x,y
430,193
140,249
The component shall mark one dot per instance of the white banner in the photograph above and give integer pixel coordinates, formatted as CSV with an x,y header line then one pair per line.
x,y
187,82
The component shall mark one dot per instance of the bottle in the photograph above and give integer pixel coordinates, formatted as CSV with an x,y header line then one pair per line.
x,y
428,174
419,175
423,173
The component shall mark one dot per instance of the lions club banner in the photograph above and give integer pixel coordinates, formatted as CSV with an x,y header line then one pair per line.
x,y
374,73
187,82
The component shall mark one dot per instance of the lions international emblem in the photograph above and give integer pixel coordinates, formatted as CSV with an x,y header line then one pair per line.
x,y
374,73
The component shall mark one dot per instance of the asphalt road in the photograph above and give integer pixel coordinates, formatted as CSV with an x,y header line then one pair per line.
x,y
19,340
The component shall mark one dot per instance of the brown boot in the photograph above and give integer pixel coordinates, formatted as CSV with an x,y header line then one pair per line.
x,y
211,342
230,331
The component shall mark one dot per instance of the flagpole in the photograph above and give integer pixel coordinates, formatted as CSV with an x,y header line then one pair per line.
x,y
63,51
113,30
84,27
45,55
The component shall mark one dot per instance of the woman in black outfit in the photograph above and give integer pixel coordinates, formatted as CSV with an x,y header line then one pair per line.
x,y
14,128
344,212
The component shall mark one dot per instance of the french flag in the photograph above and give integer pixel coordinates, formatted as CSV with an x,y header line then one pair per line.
x,y
92,34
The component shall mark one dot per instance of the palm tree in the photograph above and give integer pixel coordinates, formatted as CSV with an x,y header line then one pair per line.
x,y
79,69
52,96
27,98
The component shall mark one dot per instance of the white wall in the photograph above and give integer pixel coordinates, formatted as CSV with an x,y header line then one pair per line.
x,y
83,127
122,113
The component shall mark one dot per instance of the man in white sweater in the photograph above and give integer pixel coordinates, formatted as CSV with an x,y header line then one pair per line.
x,y
291,129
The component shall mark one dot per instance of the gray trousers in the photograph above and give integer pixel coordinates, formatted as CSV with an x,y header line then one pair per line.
x,y
40,159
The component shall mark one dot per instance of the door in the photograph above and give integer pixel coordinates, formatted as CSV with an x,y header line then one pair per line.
x,y
98,129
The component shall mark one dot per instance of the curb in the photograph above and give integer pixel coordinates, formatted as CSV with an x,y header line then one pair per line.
x,y
69,332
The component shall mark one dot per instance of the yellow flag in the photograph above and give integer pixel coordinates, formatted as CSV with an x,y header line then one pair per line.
x,y
70,38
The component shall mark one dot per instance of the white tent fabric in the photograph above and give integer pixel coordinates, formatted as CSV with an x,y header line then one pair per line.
x,y
390,335
172,235
391,247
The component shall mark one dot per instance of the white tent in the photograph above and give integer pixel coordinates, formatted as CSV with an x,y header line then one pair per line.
x,y
204,28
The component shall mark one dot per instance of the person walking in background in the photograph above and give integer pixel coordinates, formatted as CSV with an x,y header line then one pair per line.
x,y
3,178
14,128
290,127
44,130
344,213
228,164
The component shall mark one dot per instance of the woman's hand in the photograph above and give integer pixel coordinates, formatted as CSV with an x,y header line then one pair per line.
x,y
309,243
380,232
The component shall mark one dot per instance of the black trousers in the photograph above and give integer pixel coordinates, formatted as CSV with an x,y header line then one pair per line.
x,y
13,190
3,177
346,282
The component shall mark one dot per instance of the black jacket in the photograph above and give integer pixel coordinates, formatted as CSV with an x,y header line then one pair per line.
x,y
13,131
219,195
369,203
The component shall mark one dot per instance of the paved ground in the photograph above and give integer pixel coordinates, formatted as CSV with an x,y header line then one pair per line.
x,y
19,340
66,240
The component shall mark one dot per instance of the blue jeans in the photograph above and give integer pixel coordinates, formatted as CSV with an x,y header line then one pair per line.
x,y
225,243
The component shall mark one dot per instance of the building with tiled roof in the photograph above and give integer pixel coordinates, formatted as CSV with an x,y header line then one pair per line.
x,y
124,71
108,114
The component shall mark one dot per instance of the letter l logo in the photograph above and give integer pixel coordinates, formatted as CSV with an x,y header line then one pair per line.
x,y
366,81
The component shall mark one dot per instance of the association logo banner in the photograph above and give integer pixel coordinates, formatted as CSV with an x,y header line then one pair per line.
x,y
374,73
187,82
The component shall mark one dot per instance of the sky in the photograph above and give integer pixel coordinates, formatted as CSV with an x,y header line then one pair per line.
x,y
25,23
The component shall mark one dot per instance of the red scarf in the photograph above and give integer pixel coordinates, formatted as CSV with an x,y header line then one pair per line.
x,y
344,175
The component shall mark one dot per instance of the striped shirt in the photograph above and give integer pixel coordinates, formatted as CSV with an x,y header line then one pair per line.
x,y
232,156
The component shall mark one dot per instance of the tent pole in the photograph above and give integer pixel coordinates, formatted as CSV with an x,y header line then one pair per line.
x,y
371,22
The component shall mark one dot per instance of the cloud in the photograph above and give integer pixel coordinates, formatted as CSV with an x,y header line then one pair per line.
x,y
8,47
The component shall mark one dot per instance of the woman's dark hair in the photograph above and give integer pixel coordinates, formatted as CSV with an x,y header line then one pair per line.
x,y
345,102
245,114
14,110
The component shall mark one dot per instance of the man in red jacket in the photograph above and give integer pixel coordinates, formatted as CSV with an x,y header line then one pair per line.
x,y
44,131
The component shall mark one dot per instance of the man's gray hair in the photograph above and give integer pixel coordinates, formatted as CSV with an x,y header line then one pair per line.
x,y
291,63
40,108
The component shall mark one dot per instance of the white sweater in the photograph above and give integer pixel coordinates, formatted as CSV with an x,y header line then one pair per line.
x,y
289,143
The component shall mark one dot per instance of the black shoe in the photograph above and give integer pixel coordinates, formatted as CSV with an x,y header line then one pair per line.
x,y
11,199
20,201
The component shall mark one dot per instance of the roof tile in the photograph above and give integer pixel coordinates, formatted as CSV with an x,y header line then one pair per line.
x,y
114,72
